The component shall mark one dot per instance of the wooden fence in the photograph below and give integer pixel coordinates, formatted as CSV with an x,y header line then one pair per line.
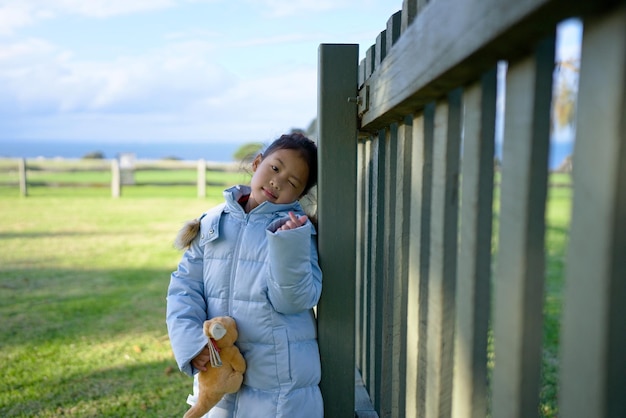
x,y
120,175
406,138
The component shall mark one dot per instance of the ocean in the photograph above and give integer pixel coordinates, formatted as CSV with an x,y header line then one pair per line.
x,y
210,151
218,152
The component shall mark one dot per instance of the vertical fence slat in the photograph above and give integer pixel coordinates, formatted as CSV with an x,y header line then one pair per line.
x,y
338,77
377,271
390,199
394,25
116,178
442,273
474,262
21,164
400,269
381,47
409,11
367,269
520,276
363,404
593,344
414,264
424,268
360,301
201,180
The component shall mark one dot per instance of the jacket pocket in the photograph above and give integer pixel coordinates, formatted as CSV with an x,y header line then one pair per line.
x,y
283,369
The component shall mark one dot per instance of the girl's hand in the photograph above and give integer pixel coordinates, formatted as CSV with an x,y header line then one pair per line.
x,y
202,359
294,221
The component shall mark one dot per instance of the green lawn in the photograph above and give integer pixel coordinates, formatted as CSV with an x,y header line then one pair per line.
x,y
82,302
83,279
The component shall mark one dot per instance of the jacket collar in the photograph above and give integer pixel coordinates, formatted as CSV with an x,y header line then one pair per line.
x,y
233,194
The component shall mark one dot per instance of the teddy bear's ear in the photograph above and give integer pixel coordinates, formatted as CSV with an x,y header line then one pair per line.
x,y
217,331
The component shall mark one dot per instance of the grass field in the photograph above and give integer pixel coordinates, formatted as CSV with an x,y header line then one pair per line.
x,y
82,301
83,279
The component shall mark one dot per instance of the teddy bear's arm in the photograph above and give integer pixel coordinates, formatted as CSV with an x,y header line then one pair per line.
x,y
233,355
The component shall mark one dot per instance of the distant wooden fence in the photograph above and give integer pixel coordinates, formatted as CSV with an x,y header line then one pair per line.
x,y
405,197
119,176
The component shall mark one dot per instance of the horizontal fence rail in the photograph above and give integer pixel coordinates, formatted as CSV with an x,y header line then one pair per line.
x,y
465,305
108,173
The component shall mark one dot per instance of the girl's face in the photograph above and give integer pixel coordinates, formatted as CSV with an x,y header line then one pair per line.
x,y
279,178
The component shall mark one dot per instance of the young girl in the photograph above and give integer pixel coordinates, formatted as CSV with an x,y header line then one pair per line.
x,y
254,258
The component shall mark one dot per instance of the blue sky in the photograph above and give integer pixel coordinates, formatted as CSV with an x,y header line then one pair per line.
x,y
169,70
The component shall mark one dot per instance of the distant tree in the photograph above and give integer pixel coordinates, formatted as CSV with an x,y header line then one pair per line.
x,y
497,164
566,165
94,155
297,131
247,152
311,130
564,95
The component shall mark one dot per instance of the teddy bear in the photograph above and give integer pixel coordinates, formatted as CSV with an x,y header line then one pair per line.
x,y
225,372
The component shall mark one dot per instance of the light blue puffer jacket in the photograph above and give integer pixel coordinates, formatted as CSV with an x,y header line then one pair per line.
x,y
268,282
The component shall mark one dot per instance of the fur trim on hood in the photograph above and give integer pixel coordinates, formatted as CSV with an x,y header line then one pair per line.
x,y
186,234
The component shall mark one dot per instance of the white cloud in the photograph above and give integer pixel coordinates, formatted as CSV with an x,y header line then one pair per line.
x,y
17,14
107,8
14,15
283,8
177,91
569,38
37,76
192,82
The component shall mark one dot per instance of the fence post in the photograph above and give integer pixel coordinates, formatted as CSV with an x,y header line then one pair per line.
x,y
201,178
116,178
593,337
337,142
23,182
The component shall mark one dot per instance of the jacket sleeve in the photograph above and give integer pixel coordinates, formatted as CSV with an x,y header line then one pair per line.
x,y
186,307
295,281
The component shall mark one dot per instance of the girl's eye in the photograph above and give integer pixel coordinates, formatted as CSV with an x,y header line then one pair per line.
x,y
275,168
292,185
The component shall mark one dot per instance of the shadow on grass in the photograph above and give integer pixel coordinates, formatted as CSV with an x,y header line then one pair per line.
x,y
55,234
143,390
41,305
87,343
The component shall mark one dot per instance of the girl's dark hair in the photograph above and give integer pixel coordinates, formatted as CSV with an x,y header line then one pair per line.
x,y
306,147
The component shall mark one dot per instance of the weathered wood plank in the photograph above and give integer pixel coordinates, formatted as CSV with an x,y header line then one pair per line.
x,y
443,244
520,264
367,371
414,265
116,179
474,262
381,47
424,283
409,11
201,178
400,268
451,42
377,268
394,29
360,285
23,181
390,199
593,368
337,224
